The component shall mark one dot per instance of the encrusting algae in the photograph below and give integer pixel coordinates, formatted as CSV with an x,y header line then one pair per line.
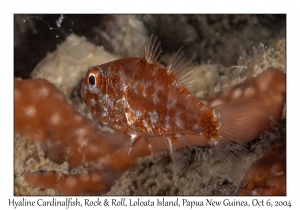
x,y
148,102
267,176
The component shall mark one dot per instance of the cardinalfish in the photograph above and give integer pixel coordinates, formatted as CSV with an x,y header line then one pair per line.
x,y
143,99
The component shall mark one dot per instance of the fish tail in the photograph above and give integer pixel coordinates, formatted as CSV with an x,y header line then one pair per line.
x,y
239,123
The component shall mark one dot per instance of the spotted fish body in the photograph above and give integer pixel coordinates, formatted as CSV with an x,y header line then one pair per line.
x,y
144,100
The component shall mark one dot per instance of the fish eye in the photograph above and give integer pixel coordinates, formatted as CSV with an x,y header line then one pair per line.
x,y
92,80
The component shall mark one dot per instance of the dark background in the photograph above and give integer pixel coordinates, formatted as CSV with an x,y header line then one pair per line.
x,y
217,38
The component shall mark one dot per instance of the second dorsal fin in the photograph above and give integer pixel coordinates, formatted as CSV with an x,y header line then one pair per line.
x,y
184,65
152,49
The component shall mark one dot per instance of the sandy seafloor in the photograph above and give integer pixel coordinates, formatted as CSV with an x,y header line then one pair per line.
x,y
227,46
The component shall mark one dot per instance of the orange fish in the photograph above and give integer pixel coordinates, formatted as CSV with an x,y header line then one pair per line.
x,y
143,99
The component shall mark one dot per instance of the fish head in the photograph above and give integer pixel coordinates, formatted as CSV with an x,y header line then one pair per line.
x,y
100,92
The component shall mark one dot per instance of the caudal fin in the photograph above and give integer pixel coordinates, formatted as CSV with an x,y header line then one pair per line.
x,y
240,123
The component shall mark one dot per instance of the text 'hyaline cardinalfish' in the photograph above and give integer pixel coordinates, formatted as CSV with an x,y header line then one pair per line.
x,y
144,100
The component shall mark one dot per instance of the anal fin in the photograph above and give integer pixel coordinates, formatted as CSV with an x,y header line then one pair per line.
x,y
138,147
180,154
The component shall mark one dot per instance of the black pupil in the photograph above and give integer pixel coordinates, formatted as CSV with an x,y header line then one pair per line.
x,y
92,80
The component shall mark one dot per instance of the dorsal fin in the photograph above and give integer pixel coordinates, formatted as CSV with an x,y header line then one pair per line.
x,y
184,65
152,49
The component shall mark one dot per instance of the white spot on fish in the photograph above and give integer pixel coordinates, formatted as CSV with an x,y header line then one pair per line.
x,y
128,118
154,71
93,101
178,121
155,97
137,115
135,88
216,115
153,117
167,118
144,92
147,126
